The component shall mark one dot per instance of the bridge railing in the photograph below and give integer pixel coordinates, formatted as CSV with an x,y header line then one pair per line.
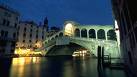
x,y
53,36
50,43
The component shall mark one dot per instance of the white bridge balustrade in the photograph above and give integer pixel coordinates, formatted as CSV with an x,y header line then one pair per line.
x,y
88,36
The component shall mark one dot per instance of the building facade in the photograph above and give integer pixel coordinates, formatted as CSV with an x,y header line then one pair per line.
x,y
125,13
30,35
8,29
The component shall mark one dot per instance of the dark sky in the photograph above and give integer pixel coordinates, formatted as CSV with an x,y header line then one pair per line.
x,y
58,11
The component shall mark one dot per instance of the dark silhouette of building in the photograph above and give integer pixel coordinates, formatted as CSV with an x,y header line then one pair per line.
x,y
125,13
46,23
9,20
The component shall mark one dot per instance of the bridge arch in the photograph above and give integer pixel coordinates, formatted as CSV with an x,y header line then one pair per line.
x,y
52,38
56,36
83,32
82,45
92,33
101,34
69,29
111,35
77,32
60,34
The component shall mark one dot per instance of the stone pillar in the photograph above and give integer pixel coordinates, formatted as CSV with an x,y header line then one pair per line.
x,y
96,34
87,33
106,34
80,33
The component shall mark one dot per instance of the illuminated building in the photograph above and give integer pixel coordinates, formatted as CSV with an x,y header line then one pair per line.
x,y
8,29
31,36
125,12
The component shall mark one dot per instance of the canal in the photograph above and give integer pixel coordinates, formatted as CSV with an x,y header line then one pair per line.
x,y
54,67
57,66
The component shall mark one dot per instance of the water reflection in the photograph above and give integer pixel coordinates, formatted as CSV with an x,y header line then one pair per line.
x,y
22,67
54,67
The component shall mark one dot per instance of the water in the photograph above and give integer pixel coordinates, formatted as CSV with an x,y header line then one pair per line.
x,y
54,67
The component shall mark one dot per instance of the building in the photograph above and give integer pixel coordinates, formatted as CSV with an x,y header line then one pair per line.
x,y
31,35
8,29
125,13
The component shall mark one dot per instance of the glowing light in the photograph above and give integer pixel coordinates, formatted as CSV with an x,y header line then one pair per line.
x,y
81,53
26,52
38,44
69,29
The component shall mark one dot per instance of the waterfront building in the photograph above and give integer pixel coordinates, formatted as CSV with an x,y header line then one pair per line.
x,y
8,29
125,13
31,35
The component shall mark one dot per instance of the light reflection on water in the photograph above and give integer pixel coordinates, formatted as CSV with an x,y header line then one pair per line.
x,y
52,67
24,66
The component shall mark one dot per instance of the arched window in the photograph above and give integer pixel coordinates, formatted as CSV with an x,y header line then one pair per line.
x,y
92,33
83,33
101,34
61,34
111,35
77,33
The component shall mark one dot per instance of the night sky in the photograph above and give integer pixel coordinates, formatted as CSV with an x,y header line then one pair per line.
x,y
58,11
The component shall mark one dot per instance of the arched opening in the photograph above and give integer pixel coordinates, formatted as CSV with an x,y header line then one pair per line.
x,y
61,34
69,29
71,49
101,34
56,36
92,33
52,38
83,33
111,35
77,33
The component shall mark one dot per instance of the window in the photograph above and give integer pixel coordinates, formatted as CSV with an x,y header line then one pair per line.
x,y
25,29
2,33
17,18
17,33
30,30
31,26
24,35
4,22
15,25
30,41
14,35
30,35
37,31
36,41
42,37
8,23
37,36
6,33
23,41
